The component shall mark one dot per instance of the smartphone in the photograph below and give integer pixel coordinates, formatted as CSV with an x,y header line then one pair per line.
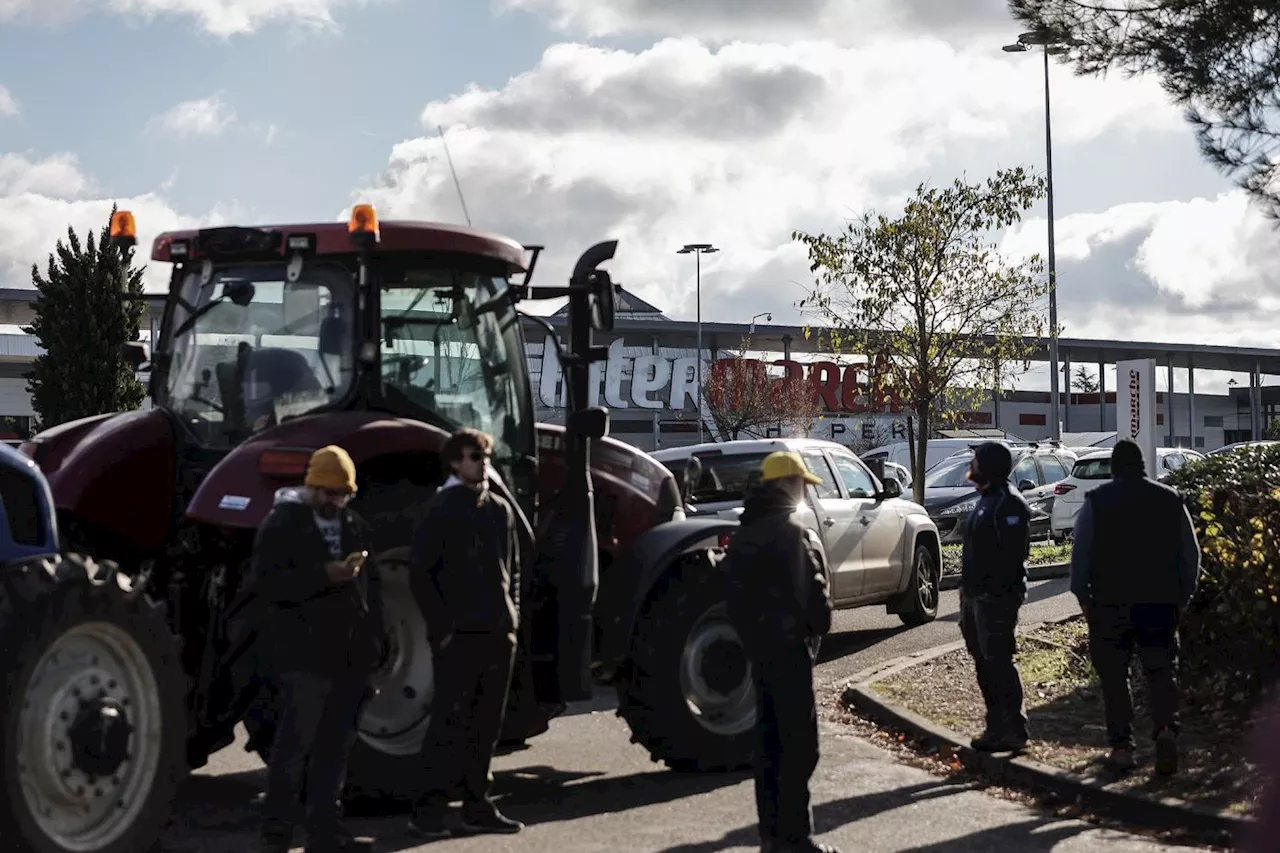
x,y
356,559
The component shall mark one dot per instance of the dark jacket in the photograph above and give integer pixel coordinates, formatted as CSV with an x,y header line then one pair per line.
x,y
307,622
1134,544
997,533
465,563
772,562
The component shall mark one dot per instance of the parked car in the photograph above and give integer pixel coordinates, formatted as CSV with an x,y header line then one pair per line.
x,y
1091,470
950,497
880,547
899,452
1230,448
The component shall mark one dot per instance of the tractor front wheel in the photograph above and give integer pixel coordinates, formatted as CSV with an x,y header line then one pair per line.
x,y
92,712
688,693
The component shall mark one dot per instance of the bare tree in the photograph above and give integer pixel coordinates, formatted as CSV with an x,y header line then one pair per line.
x,y
745,401
931,294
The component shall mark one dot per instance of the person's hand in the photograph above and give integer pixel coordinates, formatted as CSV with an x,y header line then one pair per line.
x,y
340,571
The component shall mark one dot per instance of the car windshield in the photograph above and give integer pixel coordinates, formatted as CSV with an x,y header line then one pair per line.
x,y
723,478
950,473
250,356
450,366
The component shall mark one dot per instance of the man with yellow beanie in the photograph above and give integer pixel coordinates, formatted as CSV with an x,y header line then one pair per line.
x,y
322,635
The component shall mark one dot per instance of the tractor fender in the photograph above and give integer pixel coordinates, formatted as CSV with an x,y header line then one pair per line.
x,y
626,585
113,472
237,493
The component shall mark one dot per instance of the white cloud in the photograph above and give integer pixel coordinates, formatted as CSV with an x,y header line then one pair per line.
x,y
217,17
8,104
842,21
39,199
737,146
200,117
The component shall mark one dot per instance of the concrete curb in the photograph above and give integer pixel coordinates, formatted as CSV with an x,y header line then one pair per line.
x,y
1021,772
1034,573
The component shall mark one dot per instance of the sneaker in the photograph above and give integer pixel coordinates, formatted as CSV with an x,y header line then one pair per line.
x,y
1121,759
988,742
429,824
807,846
1166,753
487,819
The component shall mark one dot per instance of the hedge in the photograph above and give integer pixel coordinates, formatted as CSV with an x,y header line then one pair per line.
x,y
1231,631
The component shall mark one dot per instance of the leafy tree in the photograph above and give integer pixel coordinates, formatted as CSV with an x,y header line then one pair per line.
x,y
741,398
1084,381
930,294
1219,59
87,307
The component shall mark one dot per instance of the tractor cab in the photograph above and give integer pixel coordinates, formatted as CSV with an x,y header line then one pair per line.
x,y
415,320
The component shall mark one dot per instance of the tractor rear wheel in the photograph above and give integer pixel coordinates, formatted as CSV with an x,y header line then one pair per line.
x,y
92,712
688,694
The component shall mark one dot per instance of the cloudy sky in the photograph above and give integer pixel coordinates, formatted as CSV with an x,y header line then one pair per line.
x,y
656,122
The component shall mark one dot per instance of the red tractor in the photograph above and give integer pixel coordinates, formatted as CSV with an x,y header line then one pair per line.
x,y
382,338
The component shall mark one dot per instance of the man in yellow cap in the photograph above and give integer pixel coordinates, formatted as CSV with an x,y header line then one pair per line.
x,y
778,602
322,635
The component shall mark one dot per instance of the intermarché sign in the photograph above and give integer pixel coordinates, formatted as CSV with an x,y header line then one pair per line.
x,y
637,377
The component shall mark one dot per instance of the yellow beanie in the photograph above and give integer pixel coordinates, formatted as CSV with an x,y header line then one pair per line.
x,y
331,468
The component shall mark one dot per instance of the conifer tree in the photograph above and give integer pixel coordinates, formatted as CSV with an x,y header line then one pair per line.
x,y
87,307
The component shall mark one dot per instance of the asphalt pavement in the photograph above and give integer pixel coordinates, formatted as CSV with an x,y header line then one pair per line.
x,y
867,636
584,787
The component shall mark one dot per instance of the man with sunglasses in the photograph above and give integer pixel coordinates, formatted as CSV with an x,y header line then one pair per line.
x,y
322,635
464,573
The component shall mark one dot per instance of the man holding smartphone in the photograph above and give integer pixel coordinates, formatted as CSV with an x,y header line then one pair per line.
x,y
464,566
322,635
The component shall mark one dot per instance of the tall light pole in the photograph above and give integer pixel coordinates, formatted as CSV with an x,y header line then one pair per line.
x,y
698,250
1051,47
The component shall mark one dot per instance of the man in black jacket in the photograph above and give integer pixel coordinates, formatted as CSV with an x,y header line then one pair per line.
x,y
993,586
322,636
1134,566
778,602
464,567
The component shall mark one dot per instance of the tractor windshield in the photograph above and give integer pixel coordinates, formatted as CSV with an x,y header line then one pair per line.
x,y
462,366
258,349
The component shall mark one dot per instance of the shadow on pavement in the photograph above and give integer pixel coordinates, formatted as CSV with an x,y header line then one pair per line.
x,y
832,815
1036,591
836,646
1028,836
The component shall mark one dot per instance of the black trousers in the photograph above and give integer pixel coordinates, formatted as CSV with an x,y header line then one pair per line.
x,y
788,749
472,675
315,731
988,624
1114,631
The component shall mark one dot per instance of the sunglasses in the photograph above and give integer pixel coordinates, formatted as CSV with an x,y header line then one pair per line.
x,y
475,456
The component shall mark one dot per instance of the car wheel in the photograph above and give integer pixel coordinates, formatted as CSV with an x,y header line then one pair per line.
x,y
923,588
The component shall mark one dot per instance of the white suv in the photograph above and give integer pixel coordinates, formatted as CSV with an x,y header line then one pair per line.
x,y
1091,470
881,548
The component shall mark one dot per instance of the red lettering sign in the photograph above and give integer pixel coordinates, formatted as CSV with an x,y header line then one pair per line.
x,y
855,389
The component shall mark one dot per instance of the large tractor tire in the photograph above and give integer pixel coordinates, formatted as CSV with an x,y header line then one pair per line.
x,y
687,693
92,711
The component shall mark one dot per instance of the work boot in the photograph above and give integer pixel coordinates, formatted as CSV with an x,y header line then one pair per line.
x,y
484,817
990,741
1121,759
1166,753
276,837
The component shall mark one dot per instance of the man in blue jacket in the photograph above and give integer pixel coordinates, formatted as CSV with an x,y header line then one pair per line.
x,y
1134,566
993,586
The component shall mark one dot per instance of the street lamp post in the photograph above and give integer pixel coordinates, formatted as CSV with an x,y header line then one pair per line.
x,y
698,250
1051,47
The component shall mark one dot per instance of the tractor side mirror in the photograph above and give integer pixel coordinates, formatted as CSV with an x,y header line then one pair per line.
x,y
135,354
604,301
592,422
332,331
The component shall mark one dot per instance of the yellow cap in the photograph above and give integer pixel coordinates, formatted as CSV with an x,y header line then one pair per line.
x,y
786,463
331,468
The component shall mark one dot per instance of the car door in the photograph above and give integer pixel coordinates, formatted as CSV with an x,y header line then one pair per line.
x,y
879,550
837,525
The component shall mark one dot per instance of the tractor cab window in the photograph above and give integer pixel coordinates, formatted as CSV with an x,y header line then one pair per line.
x,y
258,349
452,354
